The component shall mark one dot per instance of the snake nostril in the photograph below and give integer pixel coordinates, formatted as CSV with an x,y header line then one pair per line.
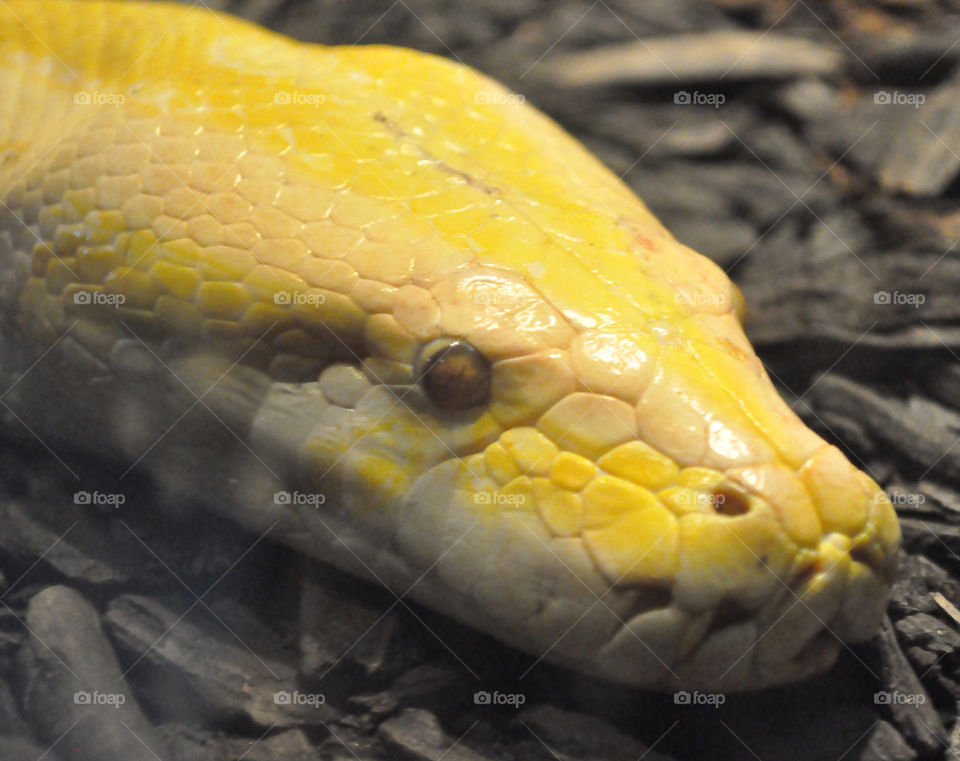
x,y
728,613
869,554
728,500
805,575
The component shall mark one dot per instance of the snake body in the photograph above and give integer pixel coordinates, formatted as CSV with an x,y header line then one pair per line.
x,y
226,258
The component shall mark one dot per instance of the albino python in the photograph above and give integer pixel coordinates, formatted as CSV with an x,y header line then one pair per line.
x,y
370,301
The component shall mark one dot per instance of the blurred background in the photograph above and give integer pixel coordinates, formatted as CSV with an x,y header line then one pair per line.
x,y
812,149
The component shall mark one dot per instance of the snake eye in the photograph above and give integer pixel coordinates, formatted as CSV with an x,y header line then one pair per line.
x,y
454,374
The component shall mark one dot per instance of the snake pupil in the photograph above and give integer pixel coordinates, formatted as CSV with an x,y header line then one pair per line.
x,y
454,374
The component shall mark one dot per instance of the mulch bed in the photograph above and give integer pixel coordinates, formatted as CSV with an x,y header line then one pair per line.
x,y
820,168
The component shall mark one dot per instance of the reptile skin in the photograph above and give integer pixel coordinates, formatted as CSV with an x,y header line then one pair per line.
x,y
223,251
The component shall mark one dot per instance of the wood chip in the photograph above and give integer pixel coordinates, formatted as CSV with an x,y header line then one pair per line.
x,y
727,55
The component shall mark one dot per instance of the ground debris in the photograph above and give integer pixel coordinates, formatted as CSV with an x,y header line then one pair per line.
x,y
813,151
212,670
705,57
417,735
75,691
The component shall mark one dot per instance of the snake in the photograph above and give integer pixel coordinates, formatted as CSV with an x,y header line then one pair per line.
x,y
369,302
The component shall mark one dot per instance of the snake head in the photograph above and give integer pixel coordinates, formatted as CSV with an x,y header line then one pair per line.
x,y
552,426
606,476
633,500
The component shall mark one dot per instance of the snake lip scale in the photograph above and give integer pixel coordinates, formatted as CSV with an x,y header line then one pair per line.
x,y
367,299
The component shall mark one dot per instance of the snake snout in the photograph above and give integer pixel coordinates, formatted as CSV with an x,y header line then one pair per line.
x,y
851,504
789,566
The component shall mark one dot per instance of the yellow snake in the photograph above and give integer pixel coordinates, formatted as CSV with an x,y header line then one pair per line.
x,y
368,299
